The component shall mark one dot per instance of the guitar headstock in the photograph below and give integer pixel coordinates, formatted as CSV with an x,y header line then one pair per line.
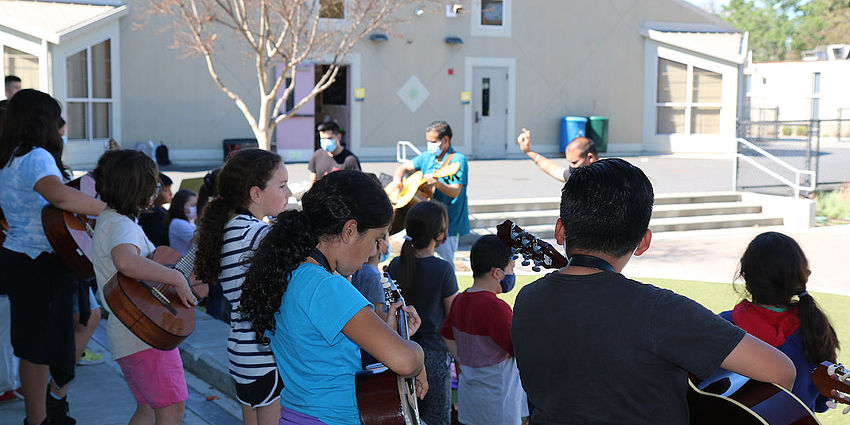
x,y
533,249
833,381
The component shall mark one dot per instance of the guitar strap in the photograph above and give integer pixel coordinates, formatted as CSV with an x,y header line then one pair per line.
x,y
320,258
590,261
445,163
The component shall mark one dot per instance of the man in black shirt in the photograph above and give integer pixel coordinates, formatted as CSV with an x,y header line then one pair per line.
x,y
331,156
593,347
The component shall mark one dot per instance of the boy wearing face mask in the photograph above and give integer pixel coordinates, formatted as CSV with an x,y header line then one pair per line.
x,y
331,156
478,334
367,280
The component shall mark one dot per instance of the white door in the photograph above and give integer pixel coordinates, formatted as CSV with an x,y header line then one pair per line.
x,y
490,113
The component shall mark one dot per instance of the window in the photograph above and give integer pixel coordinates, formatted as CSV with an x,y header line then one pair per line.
x,y
688,99
332,9
23,65
89,93
491,12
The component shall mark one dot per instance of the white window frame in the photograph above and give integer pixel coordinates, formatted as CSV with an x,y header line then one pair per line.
x,y
477,29
89,100
689,103
333,23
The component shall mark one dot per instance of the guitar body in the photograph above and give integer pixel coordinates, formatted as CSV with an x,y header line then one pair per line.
x,y
70,234
162,326
413,191
727,397
383,397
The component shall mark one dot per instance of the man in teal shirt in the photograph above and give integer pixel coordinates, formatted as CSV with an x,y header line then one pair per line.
x,y
451,190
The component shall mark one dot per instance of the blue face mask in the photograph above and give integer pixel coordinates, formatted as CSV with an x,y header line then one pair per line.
x,y
508,283
328,145
434,147
385,257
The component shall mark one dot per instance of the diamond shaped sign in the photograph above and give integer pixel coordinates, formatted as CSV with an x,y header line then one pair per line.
x,y
413,93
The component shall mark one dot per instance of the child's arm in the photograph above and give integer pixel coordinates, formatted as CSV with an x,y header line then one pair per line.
x,y
451,345
760,361
128,261
67,198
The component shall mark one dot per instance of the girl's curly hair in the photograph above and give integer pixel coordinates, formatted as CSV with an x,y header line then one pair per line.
x,y
244,170
332,201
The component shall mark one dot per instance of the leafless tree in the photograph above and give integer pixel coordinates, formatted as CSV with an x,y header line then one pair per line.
x,y
277,32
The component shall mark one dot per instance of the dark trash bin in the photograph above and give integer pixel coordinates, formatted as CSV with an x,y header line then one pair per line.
x,y
233,145
597,130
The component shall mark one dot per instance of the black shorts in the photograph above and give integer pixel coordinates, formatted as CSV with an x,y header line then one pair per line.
x,y
262,392
40,296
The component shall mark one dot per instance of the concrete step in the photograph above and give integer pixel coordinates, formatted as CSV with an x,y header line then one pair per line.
x,y
669,224
554,203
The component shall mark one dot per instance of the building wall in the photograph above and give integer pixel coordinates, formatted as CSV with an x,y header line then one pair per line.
x,y
788,86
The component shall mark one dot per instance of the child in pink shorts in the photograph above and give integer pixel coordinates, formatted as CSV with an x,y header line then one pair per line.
x,y
127,182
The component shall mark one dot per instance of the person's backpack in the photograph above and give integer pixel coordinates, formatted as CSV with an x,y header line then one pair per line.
x,y
162,155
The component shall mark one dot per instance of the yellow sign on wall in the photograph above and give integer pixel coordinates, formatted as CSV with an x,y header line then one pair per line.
x,y
465,97
359,93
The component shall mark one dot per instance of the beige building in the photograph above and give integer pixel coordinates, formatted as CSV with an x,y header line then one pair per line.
x,y
665,73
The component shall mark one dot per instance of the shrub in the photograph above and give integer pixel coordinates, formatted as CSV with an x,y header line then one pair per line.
x,y
834,204
786,130
801,130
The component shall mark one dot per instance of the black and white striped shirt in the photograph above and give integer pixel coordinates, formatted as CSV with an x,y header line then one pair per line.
x,y
249,360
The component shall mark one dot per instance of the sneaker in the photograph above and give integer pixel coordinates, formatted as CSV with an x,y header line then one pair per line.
x,y
57,411
90,358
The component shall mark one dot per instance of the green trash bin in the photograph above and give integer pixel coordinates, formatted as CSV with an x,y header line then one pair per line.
x,y
597,130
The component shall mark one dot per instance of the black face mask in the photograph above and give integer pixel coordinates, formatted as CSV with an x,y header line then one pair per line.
x,y
571,169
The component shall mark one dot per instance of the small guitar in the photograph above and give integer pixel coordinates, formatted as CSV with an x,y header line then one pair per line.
x,y
70,234
729,398
412,192
383,397
533,249
833,381
152,310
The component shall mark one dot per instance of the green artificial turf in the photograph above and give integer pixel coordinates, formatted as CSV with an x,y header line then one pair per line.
x,y
719,297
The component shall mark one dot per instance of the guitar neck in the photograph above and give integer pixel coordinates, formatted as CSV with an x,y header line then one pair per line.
x,y
187,263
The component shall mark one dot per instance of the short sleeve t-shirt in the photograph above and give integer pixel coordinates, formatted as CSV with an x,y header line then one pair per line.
x,y
22,205
489,389
321,163
180,234
115,229
317,362
458,207
435,280
583,341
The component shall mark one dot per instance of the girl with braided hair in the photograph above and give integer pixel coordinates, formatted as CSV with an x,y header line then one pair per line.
x,y
314,319
782,313
252,185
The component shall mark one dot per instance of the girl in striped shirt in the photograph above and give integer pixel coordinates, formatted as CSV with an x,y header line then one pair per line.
x,y
251,185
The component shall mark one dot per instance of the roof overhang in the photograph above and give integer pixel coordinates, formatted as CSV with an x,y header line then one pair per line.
x,y
715,41
56,22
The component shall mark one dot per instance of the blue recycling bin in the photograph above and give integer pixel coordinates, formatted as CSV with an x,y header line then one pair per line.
x,y
572,127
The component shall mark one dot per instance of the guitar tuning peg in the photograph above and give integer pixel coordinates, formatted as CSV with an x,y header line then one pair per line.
x,y
846,410
536,249
525,262
831,369
831,404
536,268
514,256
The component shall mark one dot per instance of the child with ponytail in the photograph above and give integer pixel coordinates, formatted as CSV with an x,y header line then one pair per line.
x,y
429,284
314,319
252,185
782,313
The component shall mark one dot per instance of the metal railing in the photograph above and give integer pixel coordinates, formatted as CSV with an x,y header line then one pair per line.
x,y
401,150
795,185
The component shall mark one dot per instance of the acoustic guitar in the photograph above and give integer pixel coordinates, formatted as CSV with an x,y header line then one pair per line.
x,y
413,191
383,397
151,310
724,398
70,234
833,381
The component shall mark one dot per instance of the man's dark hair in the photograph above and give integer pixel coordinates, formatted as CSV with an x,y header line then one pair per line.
x,y
164,180
606,206
11,79
488,252
329,126
442,129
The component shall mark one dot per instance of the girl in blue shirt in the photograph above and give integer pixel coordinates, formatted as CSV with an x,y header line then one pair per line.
x,y
39,285
314,319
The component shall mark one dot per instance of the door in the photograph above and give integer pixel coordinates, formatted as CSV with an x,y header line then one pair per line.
x,y
490,113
